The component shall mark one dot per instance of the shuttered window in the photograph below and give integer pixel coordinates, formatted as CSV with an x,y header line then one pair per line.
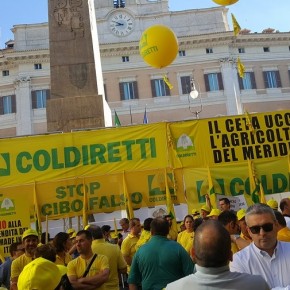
x,y
159,88
272,79
39,98
248,82
128,90
213,82
185,84
7,105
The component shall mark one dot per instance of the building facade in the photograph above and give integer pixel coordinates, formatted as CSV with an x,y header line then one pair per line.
x,y
207,56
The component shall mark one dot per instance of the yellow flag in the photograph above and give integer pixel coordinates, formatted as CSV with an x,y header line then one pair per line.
x,y
166,80
236,25
115,227
249,122
211,192
37,211
85,205
241,68
128,201
169,204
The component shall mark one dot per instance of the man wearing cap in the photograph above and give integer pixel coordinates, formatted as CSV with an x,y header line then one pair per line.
x,y
214,214
99,271
40,274
204,211
273,204
30,242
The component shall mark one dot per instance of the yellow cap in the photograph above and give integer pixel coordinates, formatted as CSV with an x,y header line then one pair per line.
x,y
241,213
214,211
272,203
86,227
205,208
29,232
194,211
39,274
73,235
70,231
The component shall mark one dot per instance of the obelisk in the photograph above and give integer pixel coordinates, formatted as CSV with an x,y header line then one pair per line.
x,y
77,91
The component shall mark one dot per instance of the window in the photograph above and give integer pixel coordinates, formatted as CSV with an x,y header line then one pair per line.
x,y
125,58
213,82
209,50
159,88
272,79
5,73
119,3
266,49
248,82
181,53
7,105
128,90
37,66
241,50
39,98
185,84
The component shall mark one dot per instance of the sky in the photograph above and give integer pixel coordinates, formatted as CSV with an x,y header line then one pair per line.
x,y
255,15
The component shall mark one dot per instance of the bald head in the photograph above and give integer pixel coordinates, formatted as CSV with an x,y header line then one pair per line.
x,y
212,245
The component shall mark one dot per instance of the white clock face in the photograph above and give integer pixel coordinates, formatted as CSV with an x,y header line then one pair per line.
x,y
121,23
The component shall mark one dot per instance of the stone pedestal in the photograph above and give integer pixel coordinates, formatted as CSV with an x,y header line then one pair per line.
x,y
77,91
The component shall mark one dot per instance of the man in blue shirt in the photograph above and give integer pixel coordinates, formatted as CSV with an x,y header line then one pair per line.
x,y
160,261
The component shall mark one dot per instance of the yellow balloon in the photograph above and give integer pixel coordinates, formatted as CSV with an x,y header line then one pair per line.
x,y
225,2
158,46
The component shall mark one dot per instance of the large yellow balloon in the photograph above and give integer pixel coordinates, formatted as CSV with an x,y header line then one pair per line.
x,y
158,46
225,2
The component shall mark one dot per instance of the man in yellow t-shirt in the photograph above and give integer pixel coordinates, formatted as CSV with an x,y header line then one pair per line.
x,y
99,271
30,242
128,247
117,263
145,234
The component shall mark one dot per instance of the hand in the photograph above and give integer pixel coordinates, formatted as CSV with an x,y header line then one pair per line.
x,y
118,23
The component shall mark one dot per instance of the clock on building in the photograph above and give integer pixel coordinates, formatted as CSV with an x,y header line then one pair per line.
x,y
121,23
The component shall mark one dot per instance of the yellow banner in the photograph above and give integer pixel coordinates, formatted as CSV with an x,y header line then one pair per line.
x,y
16,211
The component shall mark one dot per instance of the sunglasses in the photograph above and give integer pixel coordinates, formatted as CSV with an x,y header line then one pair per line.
x,y
266,228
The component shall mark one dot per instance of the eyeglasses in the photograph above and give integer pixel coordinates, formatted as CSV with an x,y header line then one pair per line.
x,y
266,228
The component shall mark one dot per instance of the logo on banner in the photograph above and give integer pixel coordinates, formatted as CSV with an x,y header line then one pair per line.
x,y
7,207
185,146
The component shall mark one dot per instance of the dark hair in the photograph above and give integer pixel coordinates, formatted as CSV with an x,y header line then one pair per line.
x,y
160,227
188,216
125,220
147,223
280,218
167,216
96,232
59,241
46,251
225,199
213,249
86,233
196,223
13,247
227,216
283,203
105,228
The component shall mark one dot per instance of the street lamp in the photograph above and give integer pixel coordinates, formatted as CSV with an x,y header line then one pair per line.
x,y
193,95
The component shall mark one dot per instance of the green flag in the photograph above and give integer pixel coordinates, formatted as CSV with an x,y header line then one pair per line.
x,y
117,120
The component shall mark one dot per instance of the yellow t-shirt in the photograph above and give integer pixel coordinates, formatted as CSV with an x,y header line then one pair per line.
x,y
284,235
185,239
60,261
78,266
234,247
116,261
128,247
18,264
144,238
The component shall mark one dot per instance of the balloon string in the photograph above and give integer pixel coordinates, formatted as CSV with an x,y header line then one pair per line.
x,y
170,86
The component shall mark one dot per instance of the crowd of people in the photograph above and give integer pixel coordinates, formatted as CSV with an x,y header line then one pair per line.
x,y
215,248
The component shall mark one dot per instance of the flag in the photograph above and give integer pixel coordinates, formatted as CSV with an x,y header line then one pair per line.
x,y
166,80
256,187
115,227
145,118
241,68
37,211
211,192
249,122
236,25
169,204
128,201
117,120
85,205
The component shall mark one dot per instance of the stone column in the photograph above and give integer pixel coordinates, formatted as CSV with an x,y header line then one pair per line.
x,y
231,86
77,94
23,106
